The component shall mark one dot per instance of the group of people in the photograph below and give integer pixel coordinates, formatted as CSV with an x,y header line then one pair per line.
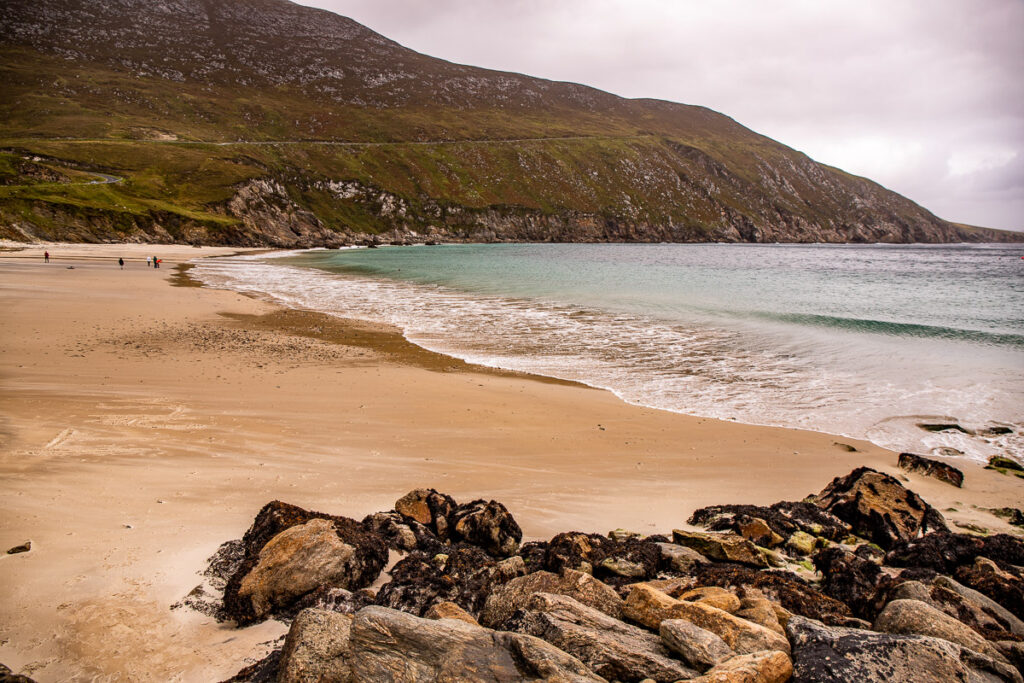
x,y
150,260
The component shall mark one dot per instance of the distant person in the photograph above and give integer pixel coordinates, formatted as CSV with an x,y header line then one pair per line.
x,y
148,263
156,262
46,257
120,262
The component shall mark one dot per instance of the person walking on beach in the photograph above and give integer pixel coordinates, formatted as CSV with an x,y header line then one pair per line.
x,y
156,262
148,264
120,262
46,257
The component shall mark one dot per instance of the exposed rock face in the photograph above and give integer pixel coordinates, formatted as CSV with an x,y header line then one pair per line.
x,y
916,617
489,526
316,648
650,607
515,594
931,468
720,546
698,647
879,508
387,645
611,648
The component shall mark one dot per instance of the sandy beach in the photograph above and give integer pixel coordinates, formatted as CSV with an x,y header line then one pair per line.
x,y
145,420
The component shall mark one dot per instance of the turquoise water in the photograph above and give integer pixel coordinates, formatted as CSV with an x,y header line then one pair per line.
x,y
868,341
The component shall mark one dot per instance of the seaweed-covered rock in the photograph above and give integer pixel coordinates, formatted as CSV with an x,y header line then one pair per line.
x,y
785,588
727,547
783,518
879,508
1007,590
368,557
964,600
916,617
489,525
824,654
931,468
7,676
609,647
429,508
403,533
678,559
615,561
513,595
575,550
944,552
850,579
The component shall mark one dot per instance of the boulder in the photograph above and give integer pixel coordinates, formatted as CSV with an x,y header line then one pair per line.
x,y
316,648
388,645
489,525
945,552
979,601
762,611
782,587
403,533
610,648
782,518
429,508
650,607
699,648
575,550
8,676
849,578
584,588
801,543
446,609
1007,591
931,468
879,508
824,654
757,667
757,531
714,596
916,617
679,558
294,563
727,547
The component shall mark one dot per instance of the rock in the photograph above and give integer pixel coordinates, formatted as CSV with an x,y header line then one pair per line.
x,y
623,568
679,558
1008,592
699,648
489,525
714,596
403,533
623,534
879,508
757,531
999,462
726,547
762,611
850,579
316,648
824,654
784,588
1014,652
23,548
801,543
944,552
429,508
515,594
990,607
574,550
931,468
757,667
7,676
610,648
1014,516
616,562
447,609
916,617
334,599
467,576
650,607
388,645
294,563
370,552
782,518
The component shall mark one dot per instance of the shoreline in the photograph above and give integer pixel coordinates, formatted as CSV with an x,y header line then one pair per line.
x,y
144,424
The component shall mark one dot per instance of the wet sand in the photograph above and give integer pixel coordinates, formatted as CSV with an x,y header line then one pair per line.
x,y
143,422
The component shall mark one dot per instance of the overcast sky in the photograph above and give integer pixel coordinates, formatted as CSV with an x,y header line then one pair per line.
x,y
924,96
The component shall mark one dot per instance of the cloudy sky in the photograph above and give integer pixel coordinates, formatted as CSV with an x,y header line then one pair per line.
x,y
923,96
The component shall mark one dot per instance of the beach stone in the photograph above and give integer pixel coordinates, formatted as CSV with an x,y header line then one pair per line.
x,y
22,548
624,568
1007,591
623,534
982,603
403,533
295,562
429,508
931,468
316,648
945,552
650,607
698,647
762,611
757,531
783,518
515,594
489,525
879,508
914,616
824,654
588,553
1014,516
610,648
850,579
8,676
1000,462
714,596
728,547
757,667
335,599
389,645
679,558
801,543
446,609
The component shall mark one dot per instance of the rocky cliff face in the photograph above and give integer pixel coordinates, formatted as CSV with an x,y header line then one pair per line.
x,y
326,132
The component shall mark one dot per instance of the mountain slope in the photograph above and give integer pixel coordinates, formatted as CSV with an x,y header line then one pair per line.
x,y
141,89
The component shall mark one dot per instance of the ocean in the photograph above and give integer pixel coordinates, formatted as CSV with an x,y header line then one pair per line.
x,y
865,341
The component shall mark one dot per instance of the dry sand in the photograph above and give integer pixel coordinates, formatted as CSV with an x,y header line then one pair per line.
x,y
142,424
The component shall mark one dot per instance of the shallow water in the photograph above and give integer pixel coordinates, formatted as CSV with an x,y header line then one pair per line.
x,y
867,341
